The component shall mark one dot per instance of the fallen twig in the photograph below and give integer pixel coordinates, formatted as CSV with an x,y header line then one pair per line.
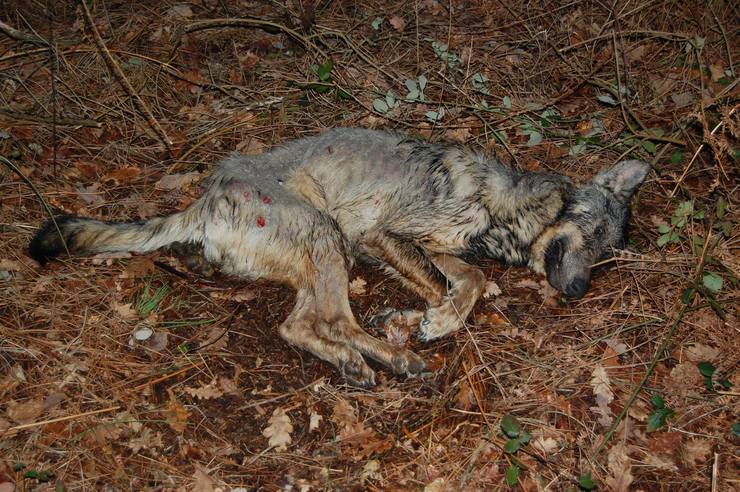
x,y
13,430
21,36
121,78
48,119
686,303
270,27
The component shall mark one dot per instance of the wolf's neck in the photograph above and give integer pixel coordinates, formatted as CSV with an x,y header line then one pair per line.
x,y
522,207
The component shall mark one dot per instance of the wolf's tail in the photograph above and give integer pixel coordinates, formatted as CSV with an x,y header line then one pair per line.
x,y
84,236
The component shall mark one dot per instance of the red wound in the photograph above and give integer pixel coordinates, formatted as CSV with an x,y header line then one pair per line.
x,y
260,221
266,200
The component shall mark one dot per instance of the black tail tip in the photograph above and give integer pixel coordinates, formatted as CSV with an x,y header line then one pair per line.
x,y
48,244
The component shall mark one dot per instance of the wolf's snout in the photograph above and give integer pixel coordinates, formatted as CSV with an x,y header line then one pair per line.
x,y
577,288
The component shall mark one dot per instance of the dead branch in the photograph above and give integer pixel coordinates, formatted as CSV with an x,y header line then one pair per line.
x,y
21,36
115,69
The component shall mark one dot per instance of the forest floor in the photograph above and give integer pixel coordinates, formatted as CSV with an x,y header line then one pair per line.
x,y
132,373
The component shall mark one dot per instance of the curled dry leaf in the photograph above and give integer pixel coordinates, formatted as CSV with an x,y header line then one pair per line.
x,y
357,286
601,386
357,441
217,338
176,416
459,135
10,265
527,283
699,352
436,485
158,342
122,175
203,481
620,468
147,209
177,181
696,451
214,389
125,311
139,266
278,432
178,12
90,194
371,471
235,296
26,412
397,332
717,71
546,445
147,439
618,347
492,289
314,421
397,22
53,399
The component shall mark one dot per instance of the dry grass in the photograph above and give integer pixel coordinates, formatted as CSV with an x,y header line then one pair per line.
x,y
84,401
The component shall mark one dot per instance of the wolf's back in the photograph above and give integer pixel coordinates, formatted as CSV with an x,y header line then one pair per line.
x,y
84,236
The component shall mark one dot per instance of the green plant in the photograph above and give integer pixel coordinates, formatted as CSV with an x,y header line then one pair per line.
x,y
724,226
512,429
323,72
147,301
735,429
40,475
586,482
660,414
441,50
707,370
478,81
682,216
387,103
435,116
416,89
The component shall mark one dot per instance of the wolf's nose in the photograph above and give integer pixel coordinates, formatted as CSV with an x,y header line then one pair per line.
x,y
576,289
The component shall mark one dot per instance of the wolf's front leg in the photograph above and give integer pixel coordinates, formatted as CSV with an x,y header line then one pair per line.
x,y
468,284
449,285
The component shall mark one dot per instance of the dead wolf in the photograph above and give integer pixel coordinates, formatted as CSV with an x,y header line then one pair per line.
x,y
303,212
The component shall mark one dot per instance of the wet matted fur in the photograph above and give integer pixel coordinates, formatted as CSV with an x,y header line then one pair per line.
x,y
303,212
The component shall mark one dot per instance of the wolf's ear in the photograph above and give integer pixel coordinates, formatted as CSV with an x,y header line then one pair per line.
x,y
623,179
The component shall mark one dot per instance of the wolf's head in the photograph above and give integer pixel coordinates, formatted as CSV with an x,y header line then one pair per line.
x,y
593,223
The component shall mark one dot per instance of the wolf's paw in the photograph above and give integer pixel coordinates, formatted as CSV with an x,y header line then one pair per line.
x,y
408,363
356,371
399,316
438,322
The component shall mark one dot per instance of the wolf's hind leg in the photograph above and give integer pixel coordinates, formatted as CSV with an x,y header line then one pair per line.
x,y
301,330
468,283
336,321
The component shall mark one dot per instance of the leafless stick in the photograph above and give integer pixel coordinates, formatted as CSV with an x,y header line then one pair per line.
x,y
13,33
121,78
12,430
